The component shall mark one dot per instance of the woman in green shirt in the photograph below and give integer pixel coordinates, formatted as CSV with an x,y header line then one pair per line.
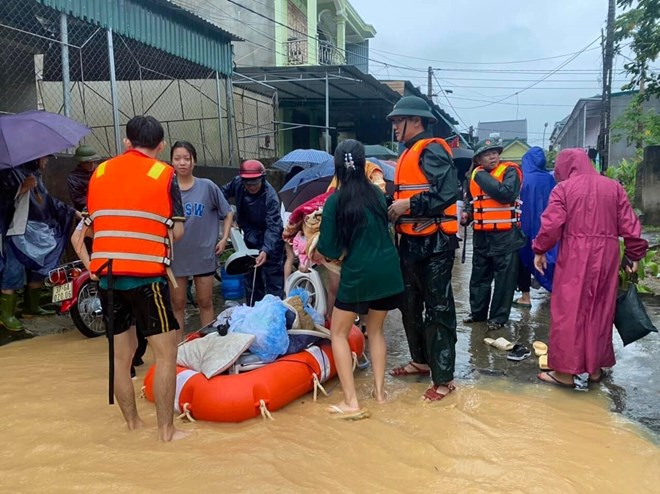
x,y
354,228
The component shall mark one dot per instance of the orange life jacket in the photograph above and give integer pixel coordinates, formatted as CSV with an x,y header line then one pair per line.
x,y
410,180
130,206
489,214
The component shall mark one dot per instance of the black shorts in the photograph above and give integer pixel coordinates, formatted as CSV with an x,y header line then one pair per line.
x,y
147,306
388,303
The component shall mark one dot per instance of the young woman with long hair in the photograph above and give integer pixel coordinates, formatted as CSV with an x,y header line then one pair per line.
x,y
355,229
195,253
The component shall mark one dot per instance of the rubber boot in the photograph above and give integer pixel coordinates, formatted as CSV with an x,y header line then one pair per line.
x,y
31,303
8,311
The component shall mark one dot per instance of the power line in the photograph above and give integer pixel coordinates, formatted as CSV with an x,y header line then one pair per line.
x,y
479,63
559,67
502,102
447,98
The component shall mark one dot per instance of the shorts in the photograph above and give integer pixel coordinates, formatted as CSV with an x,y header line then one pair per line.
x,y
203,275
147,306
387,303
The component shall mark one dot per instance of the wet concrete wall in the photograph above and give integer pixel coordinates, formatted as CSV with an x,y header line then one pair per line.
x,y
647,191
59,168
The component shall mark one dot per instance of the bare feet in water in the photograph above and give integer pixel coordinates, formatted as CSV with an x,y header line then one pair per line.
x,y
173,435
381,398
135,424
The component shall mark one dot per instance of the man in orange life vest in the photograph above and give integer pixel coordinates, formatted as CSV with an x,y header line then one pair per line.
x,y
134,207
424,211
492,205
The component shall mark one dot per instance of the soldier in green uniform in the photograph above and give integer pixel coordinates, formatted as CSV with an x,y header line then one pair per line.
x,y
493,208
426,251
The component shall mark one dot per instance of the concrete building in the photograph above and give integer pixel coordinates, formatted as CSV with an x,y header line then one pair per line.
x,y
580,129
506,130
291,32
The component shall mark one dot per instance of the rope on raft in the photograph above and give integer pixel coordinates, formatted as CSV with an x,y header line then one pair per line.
x,y
318,386
186,413
265,414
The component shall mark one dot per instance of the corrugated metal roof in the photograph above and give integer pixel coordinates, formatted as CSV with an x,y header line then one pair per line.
x,y
160,24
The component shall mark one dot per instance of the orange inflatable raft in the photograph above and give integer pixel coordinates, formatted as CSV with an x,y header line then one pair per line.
x,y
238,397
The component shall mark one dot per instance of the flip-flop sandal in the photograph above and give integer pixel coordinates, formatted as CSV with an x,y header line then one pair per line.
x,y
432,393
522,304
543,363
500,343
340,414
540,348
554,381
401,370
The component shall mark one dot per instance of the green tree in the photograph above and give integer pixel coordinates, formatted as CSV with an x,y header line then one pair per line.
x,y
637,125
639,26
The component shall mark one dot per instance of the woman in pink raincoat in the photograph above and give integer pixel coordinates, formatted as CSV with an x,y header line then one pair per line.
x,y
587,213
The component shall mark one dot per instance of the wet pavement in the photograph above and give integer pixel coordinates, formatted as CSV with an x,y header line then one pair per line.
x,y
633,389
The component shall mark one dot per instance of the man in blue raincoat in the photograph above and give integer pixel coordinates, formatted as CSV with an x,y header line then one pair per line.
x,y
258,215
535,192
34,236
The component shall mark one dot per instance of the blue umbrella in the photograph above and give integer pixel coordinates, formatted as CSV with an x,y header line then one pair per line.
x,y
32,134
304,158
327,169
315,180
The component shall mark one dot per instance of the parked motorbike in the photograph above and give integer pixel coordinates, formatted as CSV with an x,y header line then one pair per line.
x,y
77,294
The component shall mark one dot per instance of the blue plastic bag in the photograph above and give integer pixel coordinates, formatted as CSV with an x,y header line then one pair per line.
x,y
267,322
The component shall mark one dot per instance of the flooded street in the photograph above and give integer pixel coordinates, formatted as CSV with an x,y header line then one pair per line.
x,y
500,431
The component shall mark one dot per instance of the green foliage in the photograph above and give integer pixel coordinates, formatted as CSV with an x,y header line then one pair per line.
x,y
647,266
225,255
550,157
626,174
392,146
637,125
639,26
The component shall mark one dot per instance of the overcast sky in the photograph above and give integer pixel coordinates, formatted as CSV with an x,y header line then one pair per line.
x,y
457,37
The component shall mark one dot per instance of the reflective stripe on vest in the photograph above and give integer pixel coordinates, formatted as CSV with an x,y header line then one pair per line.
x,y
130,206
489,214
410,180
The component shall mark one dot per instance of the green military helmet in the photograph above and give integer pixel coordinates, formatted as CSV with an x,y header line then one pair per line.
x,y
486,145
412,106
85,154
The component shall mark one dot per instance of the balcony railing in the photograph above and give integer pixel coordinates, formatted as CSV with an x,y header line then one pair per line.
x,y
297,52
329,54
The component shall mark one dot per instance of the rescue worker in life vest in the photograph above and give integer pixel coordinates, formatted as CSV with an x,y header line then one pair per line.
x,y
493,207
135,211
424,212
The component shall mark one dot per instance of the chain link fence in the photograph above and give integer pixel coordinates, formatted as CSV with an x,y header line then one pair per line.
x,y
63,64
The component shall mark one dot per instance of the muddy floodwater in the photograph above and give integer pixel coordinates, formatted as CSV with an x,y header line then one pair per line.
x,y
500,431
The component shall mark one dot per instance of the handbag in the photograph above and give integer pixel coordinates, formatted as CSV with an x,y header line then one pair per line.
x,y
631,320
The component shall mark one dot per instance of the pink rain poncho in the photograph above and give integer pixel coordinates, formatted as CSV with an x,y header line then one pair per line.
x,y
587,213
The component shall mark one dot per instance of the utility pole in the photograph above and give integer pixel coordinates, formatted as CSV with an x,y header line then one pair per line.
x,y
639,142
606,103
429,90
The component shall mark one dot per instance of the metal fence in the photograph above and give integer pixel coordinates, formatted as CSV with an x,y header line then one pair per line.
x,y
255,115
65,65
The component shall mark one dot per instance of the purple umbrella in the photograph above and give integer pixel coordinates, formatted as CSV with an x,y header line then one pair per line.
x,y
32,134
